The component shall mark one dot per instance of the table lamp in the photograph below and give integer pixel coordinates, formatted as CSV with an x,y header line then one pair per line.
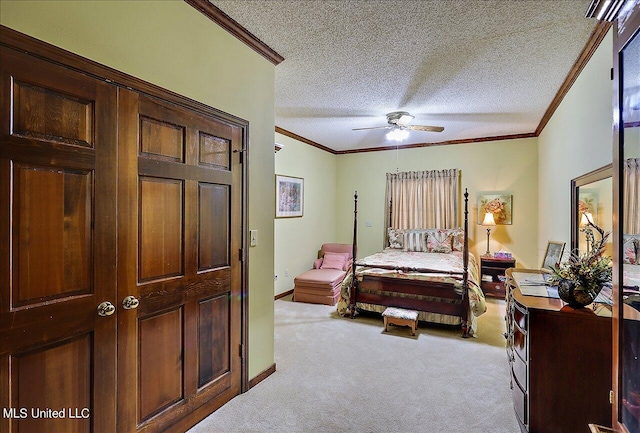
x,y
489,222
585,222
586,218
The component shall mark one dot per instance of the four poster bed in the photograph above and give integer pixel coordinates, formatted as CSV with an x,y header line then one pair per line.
x,y
427,270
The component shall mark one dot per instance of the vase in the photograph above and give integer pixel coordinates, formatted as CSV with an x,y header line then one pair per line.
x,y
576,297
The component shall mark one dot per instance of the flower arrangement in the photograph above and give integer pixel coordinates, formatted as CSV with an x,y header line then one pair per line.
x,y
587,272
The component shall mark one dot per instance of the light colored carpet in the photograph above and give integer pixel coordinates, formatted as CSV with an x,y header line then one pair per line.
x,y
335,374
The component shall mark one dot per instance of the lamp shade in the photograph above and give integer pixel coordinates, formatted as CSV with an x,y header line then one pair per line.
x,y
586,219
488,220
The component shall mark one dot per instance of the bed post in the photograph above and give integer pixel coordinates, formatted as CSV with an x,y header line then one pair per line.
x,y
465,266
354,253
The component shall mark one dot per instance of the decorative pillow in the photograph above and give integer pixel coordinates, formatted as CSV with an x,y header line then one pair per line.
x,y
457,238
334,261
631,249
396,238
439,241
415,240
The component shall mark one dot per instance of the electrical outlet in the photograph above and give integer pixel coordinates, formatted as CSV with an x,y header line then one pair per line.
x,y
286,272
368,223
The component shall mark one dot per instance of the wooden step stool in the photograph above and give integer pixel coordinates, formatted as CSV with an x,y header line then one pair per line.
x,y
400,317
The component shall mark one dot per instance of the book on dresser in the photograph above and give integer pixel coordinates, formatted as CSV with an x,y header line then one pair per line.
x,y
559,357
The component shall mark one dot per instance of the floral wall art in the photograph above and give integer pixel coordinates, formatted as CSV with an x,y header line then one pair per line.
x,y
498,204
289,196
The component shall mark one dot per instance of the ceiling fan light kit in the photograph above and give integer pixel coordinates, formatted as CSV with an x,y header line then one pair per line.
x,y
398,123
399,118
398,134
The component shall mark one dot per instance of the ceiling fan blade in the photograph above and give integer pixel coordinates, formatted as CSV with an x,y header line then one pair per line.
x,y
375,127
425,128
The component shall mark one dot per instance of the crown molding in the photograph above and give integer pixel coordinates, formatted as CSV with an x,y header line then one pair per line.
x,y
408,146
441,143
305,140
232,26
596,37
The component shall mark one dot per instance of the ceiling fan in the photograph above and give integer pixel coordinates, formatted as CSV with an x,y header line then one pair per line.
x,y
398,123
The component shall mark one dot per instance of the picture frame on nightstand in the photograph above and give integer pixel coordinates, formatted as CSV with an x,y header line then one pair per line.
x,y
553,255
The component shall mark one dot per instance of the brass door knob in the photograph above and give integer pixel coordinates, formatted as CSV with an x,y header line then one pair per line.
x,y
130,302
106,309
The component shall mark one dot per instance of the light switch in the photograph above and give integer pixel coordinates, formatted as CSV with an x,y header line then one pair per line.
x,y
253,237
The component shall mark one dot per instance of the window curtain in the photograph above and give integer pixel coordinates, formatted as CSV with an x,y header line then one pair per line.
x,y
422,199
631,184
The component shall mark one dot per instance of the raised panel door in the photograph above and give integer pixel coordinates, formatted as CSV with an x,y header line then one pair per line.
x,y
57,248
180,233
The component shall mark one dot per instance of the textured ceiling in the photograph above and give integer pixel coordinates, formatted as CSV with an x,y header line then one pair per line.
x,y
479,68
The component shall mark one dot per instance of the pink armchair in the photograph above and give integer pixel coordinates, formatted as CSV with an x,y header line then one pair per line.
x,y
321,285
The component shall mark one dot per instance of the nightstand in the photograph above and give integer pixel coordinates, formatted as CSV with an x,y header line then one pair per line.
x,y
494,268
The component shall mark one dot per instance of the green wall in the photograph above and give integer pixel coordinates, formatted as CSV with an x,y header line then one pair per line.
x,y
170,44
577,140
297,240
508,167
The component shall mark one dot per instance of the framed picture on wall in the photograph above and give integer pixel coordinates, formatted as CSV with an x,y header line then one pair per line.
x,y
289,196
499,205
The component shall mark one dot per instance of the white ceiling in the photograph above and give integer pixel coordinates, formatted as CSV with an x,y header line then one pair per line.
x,y
479,68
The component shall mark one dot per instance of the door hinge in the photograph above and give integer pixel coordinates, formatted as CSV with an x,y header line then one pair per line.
x,y
241,152
611,397
241,254
242,351
612,73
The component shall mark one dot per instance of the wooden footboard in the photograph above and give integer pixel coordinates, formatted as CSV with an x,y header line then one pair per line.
x,y
392,292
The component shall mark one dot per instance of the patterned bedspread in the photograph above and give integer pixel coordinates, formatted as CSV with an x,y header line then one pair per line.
x,y
631,293
451,262
631,274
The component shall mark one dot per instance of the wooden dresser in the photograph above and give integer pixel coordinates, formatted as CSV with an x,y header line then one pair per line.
x,y
560,360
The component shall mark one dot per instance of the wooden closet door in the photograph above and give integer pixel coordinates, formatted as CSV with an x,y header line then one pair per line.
x,y
179,241
57,248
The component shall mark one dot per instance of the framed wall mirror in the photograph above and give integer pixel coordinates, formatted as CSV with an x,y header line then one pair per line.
x,y
591,199
626,178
